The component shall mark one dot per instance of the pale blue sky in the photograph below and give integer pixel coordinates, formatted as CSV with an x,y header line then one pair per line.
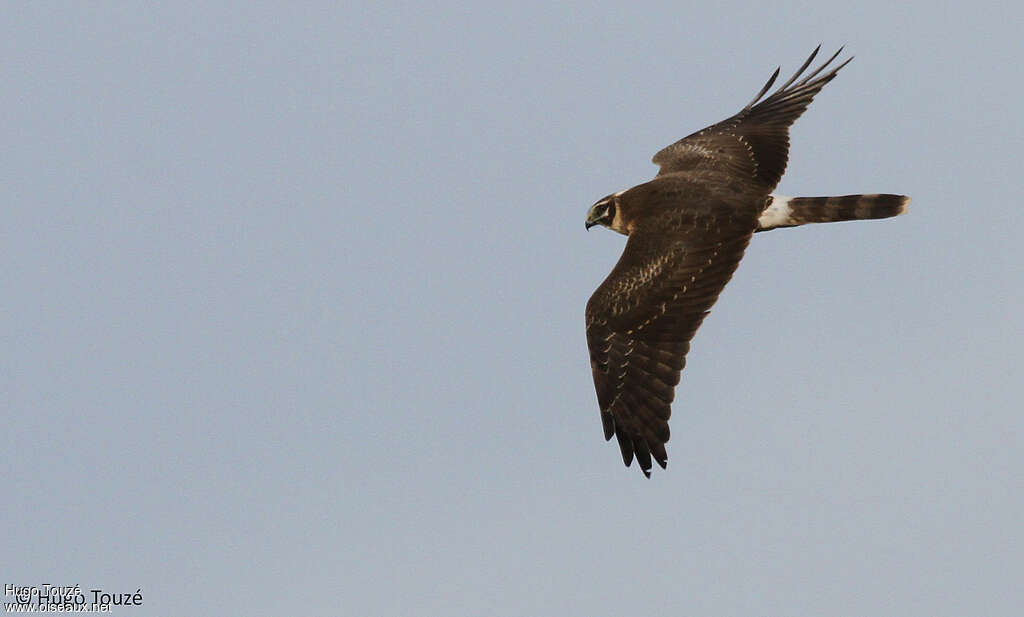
x,y
292,312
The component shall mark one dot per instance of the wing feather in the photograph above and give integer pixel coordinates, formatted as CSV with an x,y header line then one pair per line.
x,y
754,143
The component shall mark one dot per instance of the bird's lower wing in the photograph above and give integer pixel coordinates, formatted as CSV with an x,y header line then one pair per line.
x,y
640,322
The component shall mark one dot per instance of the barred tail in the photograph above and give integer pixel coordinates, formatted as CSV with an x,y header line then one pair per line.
x,y
782,211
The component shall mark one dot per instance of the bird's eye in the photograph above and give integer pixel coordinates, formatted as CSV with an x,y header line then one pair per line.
x,y
609,210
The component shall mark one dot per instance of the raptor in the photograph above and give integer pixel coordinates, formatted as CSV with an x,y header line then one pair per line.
x,y
688,229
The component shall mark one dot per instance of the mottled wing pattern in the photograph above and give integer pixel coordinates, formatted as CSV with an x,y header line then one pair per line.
x,y
754,143
642,317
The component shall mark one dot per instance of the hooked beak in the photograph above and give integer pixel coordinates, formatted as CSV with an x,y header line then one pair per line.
x,y
593,216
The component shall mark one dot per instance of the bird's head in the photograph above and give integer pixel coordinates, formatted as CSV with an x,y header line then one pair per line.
x,y
604,212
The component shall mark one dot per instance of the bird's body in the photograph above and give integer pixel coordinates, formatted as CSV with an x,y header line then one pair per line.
x,y
688,229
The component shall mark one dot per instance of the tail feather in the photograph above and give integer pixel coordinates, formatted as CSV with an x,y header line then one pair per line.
x,y
782,211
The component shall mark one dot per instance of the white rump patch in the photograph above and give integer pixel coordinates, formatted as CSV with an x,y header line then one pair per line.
x,y
777,214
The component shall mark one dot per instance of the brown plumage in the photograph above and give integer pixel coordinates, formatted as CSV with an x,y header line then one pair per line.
x,y
688,229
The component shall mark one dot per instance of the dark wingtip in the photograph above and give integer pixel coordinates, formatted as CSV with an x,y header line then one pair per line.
x,y
828,76
608,422
803,67
771,80
625,447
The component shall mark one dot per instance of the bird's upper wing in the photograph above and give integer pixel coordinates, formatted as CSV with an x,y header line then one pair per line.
x,y
642,317
754,143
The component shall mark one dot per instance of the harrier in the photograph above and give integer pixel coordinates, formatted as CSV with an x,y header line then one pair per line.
x,y
688,228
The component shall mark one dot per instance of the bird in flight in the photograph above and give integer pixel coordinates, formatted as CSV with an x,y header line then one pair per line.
x,y
688,228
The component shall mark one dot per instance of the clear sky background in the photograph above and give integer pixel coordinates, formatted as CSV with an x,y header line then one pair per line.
x,y
291,307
